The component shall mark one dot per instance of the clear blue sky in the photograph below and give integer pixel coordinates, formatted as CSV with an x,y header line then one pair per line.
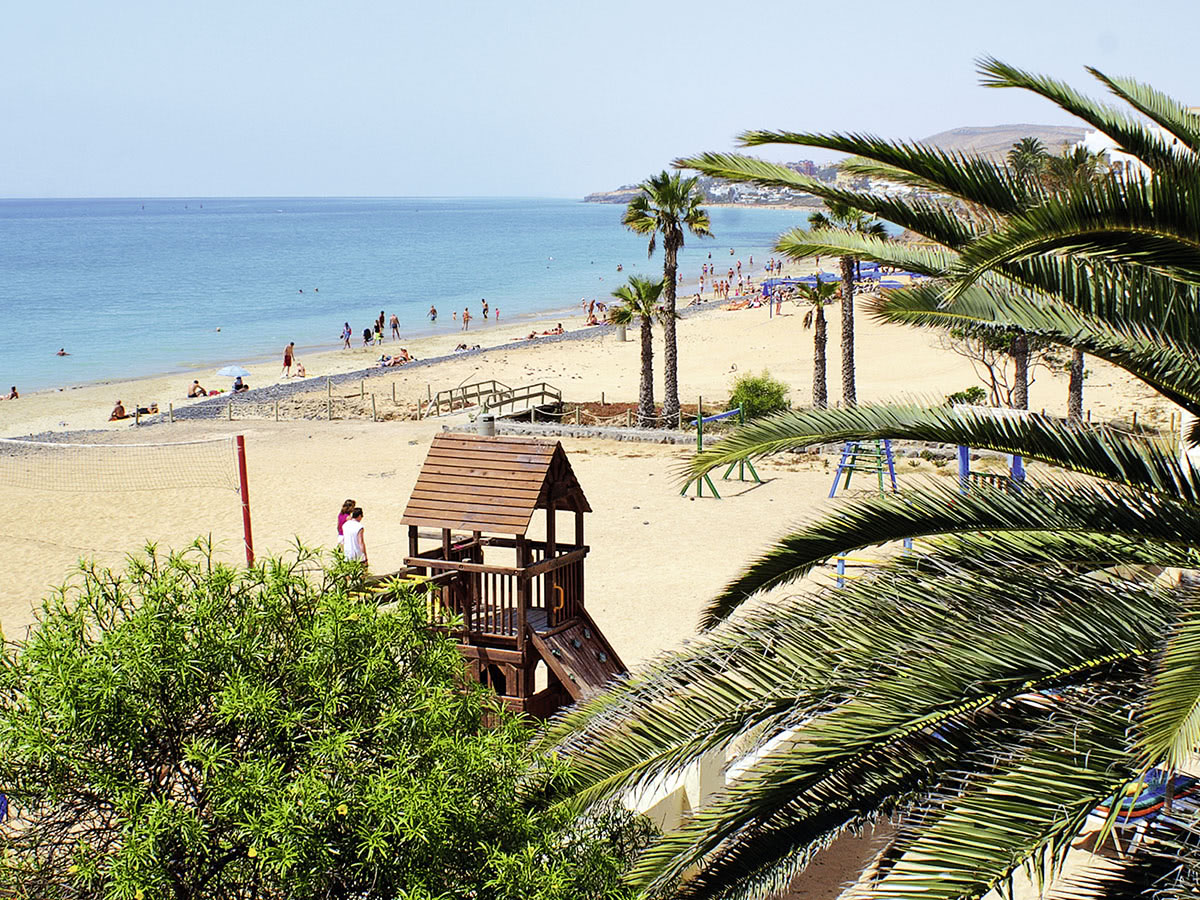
x,y
258,97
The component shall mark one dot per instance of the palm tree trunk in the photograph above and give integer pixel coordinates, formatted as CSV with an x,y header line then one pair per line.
x,y
1020,355
1075,388
646,388
670,350
820,392
849,396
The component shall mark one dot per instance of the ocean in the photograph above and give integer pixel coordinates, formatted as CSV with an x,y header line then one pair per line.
x,y
133,287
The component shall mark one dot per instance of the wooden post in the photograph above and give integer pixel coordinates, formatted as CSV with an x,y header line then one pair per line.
x,y
681,418
1089,415
244,491
374,415
629,418
412,540
229,410
328,386
171,413
362,388
276,410
329,409
1135,420
137,415
576,414
393,392
532,415
602,398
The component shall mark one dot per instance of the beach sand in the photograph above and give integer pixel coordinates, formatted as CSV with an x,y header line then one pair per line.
x,y
656,558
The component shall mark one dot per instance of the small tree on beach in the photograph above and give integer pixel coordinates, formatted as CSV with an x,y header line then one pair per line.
x,y
640,302
818,296
843,217
667,206
188,730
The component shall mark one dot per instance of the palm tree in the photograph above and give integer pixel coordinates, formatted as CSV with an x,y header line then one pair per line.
x,y
842,216
989,691
818,296
667,206
1078,167
1027,158
639,301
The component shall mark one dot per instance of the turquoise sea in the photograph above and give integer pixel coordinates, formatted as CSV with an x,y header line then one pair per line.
x,y
135,287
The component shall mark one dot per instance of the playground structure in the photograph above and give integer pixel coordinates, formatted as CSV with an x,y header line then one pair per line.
x,y
865,456
742,465
481,494
1013,481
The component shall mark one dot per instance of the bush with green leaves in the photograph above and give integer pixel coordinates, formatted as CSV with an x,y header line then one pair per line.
x,y
183,729
972,396
758,395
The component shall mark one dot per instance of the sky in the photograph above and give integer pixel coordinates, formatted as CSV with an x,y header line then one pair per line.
x,y
143,98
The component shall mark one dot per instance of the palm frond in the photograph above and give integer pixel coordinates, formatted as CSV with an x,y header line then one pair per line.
x,y
1147,222
938,509
934,219
801,243
1169,724
1095,450
1168,366
1128,134
976,179
1158,107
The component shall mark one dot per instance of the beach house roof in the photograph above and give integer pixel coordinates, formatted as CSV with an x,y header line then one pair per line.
x,y
492,484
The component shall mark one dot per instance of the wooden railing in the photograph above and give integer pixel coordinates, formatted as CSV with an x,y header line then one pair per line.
x,y
463,396
529,394
497,601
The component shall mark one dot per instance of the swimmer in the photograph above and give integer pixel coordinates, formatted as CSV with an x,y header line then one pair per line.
x,y
62,351
432,313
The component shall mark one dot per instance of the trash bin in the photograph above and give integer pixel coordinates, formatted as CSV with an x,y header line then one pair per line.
x,y
485,425
621,333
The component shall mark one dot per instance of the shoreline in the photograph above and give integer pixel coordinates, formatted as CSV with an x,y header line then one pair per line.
x,y
84,406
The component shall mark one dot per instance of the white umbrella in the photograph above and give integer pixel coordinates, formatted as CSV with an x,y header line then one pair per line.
x,y
233,372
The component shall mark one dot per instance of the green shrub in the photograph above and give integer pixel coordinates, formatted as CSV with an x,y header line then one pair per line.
x,y
758,395
189,729
972,396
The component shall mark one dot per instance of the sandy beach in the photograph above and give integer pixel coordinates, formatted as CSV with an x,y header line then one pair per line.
x,y
302,467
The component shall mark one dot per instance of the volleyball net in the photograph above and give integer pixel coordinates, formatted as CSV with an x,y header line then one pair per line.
x,y
217,464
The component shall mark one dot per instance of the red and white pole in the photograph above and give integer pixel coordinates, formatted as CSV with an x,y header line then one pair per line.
x,y
244,490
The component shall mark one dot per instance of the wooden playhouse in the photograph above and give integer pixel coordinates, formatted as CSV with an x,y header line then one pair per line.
x,y
519,601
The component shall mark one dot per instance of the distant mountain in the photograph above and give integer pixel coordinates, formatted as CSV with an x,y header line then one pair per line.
x,y
988,140
995,140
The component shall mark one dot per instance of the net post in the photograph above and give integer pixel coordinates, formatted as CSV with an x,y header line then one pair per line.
x,y
244,492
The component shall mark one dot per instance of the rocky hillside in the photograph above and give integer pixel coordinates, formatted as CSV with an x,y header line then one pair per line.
x,y
995,140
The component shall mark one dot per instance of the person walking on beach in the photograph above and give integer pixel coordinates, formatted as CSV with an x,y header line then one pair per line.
x,y
379,322
347,509
288,352
346,333
354,542
379,332
395,323
432,314
466,319
485,308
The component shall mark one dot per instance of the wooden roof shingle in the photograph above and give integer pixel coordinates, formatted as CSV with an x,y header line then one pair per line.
x,y
491,484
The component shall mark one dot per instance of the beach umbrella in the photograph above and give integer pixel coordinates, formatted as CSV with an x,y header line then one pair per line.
x,y
233,372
